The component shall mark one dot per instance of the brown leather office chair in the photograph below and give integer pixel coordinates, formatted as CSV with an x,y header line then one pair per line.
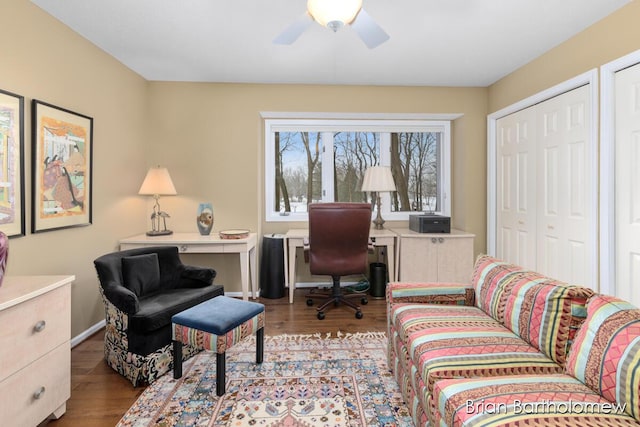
x,y
338,246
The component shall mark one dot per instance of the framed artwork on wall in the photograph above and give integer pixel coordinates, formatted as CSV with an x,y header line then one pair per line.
x,y
11,164
62,168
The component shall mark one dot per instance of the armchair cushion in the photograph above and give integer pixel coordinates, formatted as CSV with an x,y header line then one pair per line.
x,y
196,277
141,273
156,309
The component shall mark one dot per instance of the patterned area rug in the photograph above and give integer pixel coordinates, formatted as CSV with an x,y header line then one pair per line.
x,y
305,380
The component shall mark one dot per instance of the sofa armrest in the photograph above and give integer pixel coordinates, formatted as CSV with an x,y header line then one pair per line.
x,y
430,293
121,297
196,277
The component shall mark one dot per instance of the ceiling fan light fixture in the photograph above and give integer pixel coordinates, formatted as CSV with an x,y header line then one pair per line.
x,y
334,14
335,25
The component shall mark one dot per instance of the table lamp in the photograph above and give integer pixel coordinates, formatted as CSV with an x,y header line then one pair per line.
x,y
158,183
377,179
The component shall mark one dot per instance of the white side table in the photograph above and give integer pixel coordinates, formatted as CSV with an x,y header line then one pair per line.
x,y
194,243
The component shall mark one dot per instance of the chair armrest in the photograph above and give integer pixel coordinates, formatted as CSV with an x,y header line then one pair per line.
x,y
305,249
196,277
124,300
431,293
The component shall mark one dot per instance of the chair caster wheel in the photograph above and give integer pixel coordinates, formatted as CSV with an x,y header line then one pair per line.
x,y
320,315
364,301
309,302
358,315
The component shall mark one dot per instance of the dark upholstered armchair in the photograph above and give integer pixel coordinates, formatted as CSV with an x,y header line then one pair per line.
x,y
338,246
141,290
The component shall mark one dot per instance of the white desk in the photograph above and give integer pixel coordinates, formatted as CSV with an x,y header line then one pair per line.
x,y
295,239
194,243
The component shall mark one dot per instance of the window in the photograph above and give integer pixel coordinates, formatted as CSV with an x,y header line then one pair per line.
x,y
312,160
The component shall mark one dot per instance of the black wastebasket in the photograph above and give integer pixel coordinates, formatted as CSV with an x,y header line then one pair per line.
x,y
377,279
272,266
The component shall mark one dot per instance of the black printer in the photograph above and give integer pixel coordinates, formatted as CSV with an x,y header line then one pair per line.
x,y
426,223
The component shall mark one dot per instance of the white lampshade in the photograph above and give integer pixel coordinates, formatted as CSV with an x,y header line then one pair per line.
x,y
334,13
378,178
157,183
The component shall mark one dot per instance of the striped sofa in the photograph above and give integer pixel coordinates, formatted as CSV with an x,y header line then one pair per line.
x,y
513,347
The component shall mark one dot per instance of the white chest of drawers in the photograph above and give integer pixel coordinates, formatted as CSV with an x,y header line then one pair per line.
x,y
35,352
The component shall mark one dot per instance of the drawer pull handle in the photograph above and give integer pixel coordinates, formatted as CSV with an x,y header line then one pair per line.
x,y
183,248
434,240
441,239
40,326
38,394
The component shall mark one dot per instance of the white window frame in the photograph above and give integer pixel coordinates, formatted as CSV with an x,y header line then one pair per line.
x,y
383,124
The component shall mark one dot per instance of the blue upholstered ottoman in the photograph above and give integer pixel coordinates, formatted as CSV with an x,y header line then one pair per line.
x,y
216,325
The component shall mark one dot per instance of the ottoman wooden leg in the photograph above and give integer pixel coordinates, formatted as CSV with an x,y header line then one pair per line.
x,y
259,345
220,373
177,359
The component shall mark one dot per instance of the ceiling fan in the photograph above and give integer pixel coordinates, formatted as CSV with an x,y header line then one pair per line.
x,y
335,14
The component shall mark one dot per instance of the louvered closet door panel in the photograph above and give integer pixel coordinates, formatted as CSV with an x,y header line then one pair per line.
x,y
516,195
564,180
627,178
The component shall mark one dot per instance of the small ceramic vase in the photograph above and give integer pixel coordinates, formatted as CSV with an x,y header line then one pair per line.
x,y
4,254
205,218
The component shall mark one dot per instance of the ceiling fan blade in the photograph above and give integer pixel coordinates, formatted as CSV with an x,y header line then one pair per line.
x,y
369,31
293,31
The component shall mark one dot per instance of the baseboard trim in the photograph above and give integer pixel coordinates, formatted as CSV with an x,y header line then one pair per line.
x,y
322,284
101,324
86,334
235,294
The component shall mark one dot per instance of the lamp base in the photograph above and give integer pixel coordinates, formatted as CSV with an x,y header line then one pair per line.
x,y
159,233
378,222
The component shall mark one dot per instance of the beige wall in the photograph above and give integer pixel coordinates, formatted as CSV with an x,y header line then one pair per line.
x,y
612,37
210,136
45,60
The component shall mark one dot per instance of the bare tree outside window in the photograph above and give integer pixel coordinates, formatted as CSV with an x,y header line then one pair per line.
x,y
353,153
414,157
298,170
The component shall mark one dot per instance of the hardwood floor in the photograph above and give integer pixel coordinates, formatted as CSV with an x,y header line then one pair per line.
x,y
100,396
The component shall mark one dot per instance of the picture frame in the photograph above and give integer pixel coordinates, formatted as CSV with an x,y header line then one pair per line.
x,y
12,217
62,167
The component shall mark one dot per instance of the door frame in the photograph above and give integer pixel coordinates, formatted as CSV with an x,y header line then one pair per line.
x,y
591,78
607,168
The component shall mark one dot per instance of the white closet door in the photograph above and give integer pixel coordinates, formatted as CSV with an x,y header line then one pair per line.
x,y
516,192
627,183
564,214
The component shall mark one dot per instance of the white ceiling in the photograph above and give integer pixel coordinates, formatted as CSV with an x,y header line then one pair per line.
x,y
433,42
